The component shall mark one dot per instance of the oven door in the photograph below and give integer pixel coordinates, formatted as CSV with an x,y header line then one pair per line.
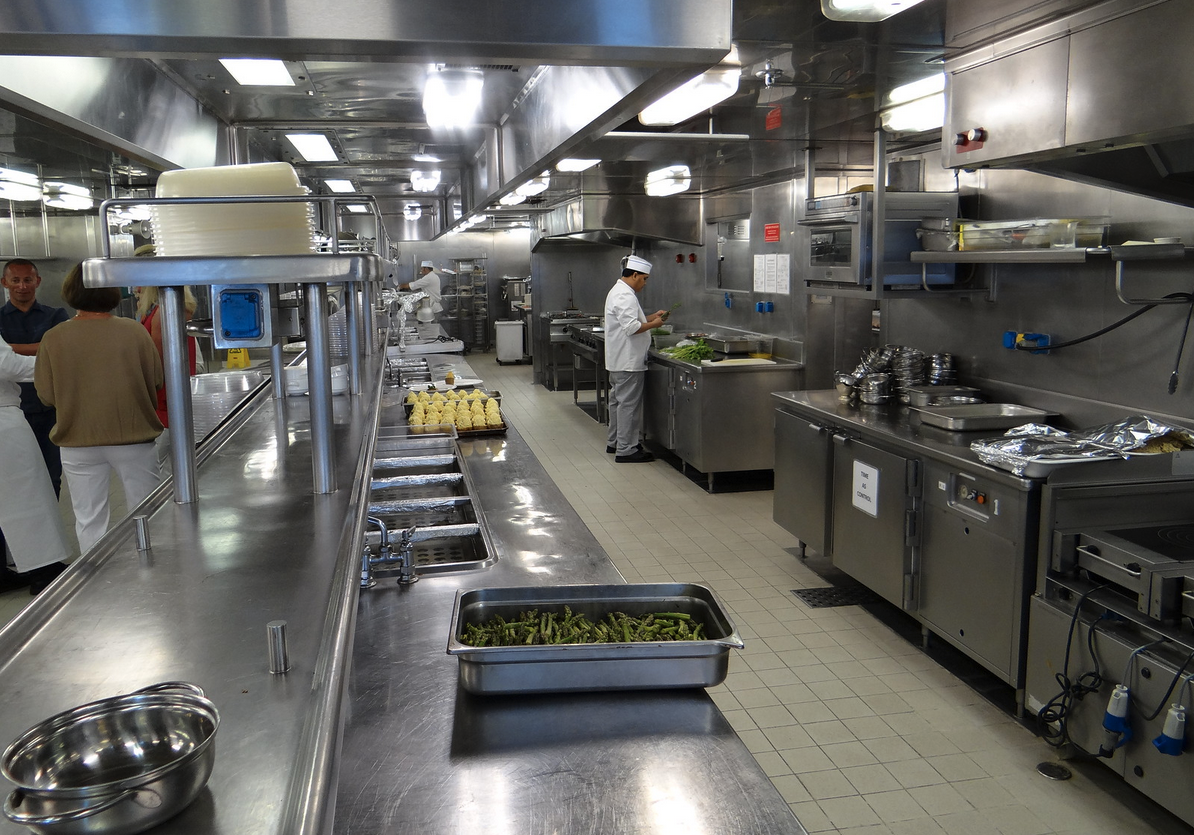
x,y
838,249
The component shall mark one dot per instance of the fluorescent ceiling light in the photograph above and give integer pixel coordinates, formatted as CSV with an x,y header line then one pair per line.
x,y
313,147
451,98
340,186
917,89
426,158
258,72
538,185
357,208
915,116
424,181
512,199
67,196
671,180
19,185
695,95
573,165
412,212
865,11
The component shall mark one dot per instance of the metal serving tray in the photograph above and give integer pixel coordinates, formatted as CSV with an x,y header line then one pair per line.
x,y
980,416
588,667
934,395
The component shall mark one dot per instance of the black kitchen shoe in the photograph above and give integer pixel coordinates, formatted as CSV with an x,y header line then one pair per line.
x,y
611,449
39,578
639,456
11,580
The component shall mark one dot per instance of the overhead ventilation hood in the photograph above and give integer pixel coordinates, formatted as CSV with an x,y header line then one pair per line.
x,y
620,220
1100,96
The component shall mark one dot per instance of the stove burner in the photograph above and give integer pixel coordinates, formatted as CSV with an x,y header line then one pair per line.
x,y
1173,541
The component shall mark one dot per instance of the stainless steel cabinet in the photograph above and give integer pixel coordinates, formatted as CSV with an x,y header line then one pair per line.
x,y
803,478
658,425
876,518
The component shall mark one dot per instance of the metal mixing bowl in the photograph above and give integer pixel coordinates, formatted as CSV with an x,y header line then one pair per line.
x,y
121,764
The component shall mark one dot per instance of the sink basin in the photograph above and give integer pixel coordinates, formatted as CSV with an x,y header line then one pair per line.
x,y
418,486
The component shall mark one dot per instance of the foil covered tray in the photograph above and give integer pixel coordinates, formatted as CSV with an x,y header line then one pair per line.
x,y
590,667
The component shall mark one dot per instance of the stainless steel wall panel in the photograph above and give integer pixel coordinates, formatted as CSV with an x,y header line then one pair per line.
x,y
124,104
590,32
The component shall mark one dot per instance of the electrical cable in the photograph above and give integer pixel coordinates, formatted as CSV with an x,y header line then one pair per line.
x,y
1078,341
1057,710
1164,699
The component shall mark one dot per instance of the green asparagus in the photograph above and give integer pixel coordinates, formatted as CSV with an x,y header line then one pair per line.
x,y
533,627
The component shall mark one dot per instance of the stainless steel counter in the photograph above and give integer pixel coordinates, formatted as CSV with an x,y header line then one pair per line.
x,y
422,756
417,755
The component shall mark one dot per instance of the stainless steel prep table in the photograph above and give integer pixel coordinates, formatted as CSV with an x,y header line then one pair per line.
x,y
716,418
423,756
908,510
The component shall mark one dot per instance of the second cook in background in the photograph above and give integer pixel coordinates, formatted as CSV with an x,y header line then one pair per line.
x,y
102,373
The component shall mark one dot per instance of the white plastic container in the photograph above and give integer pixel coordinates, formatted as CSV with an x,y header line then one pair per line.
x,y
296,379
233,229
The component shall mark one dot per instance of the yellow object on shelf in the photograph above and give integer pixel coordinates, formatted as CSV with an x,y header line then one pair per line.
x,y
238,357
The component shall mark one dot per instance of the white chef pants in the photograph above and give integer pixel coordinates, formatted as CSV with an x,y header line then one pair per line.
x,y
88,470
28,507
626,410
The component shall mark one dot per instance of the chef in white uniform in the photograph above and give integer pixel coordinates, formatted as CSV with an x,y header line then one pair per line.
x,y
28,507
429,282
627,340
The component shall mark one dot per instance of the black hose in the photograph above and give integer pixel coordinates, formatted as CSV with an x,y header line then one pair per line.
x,y
1052,346
1180,346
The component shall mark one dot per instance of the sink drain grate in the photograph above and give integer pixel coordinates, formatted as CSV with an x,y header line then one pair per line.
x,y
830,596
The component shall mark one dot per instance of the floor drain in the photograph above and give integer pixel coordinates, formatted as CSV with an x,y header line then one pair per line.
x,y
1054,771
835,596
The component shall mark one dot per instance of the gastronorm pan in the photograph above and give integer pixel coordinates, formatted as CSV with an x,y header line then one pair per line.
x,y
981,416
588,667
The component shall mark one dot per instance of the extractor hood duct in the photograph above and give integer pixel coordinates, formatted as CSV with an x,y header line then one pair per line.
x,y
620,220
1100,96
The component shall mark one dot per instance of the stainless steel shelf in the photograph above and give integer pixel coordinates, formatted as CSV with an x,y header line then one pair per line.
x,y
164,271
1008,256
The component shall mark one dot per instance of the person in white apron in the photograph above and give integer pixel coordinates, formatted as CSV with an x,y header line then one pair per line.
x,y
28,507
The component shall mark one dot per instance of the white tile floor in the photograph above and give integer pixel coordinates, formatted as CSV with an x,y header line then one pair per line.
x,y
858,730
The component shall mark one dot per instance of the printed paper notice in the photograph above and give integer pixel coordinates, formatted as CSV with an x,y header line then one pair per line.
x,y
760,281
783,277
866,488
769,265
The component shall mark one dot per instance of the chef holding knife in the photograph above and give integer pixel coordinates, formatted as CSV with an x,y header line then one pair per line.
x,y
627,340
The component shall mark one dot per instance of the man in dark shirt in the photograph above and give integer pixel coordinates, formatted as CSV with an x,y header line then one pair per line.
x,y
23,321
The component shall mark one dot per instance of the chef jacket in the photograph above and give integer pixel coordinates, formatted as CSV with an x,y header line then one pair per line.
x,y
430,284
625,350
19,327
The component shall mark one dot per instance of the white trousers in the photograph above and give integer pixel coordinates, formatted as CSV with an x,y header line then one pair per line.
x,y
88,470
28,507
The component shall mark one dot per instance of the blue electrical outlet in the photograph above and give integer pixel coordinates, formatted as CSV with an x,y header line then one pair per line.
x,y
1034,343
729,301
241,314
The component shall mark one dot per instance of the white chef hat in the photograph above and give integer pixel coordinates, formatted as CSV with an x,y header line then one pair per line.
x,y
427,264
639,265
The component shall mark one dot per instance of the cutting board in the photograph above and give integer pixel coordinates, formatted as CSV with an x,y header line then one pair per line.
x,y
737,361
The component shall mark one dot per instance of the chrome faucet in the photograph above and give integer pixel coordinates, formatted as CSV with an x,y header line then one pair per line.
x,y
405,555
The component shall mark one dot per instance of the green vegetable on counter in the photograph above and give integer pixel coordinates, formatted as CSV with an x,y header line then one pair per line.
x,y
535,628
692,353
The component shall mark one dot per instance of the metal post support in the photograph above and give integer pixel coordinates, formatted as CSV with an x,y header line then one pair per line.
x,y
319,386
879,215
277,362
352,329
178,396
370,305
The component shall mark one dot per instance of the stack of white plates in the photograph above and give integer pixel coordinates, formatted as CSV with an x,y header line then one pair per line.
x,y
233,228
296,379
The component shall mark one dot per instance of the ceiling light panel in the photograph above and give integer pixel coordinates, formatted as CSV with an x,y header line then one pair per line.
x,y
313,147
666,181
19,185
864,11
452,97
696,95
340,186
571,165
424,181
258,72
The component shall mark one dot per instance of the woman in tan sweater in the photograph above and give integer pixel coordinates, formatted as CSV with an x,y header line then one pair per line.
x,y
102,374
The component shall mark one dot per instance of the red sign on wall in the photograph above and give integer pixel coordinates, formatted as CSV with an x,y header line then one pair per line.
x,y
775,118
771,233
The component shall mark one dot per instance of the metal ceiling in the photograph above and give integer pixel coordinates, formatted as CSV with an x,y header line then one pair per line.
x,y
364,91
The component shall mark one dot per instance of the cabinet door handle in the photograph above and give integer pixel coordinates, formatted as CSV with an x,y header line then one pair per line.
x,y
840,439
